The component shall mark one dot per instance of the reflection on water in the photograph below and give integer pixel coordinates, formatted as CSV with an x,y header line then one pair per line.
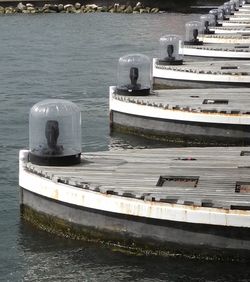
x,y
63,259
119,141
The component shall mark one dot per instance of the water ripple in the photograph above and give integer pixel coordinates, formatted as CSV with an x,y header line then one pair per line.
x,y
75,57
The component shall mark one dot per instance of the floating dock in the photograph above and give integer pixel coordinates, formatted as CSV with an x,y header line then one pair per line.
x,y
239,13
191,201
185,116
182,199
244,8
222,51
238,23
234,30
241,17
202,74
226,38
242,13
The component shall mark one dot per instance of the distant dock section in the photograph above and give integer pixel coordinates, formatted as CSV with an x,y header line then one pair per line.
x,y
187,116
197,74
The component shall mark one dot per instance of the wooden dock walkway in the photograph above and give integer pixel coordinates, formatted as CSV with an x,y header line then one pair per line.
x,y
207,177
238,23
226,38
188,116
166,198
219,50
194,74
230,101
233,67
230,29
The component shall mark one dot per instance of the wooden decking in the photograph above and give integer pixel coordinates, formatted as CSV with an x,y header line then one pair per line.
x,y
226,38
234,68
236,23
231,29
234,101
221,47
208,177
218,50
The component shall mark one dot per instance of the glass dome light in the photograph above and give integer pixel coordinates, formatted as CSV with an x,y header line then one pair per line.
x,y
242,2
171,50
193,30
55,133
133,77
218,15
232,4
208,21
236,4
227,9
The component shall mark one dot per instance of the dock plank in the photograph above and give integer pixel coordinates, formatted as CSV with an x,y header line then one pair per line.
x,y
135,174
237,100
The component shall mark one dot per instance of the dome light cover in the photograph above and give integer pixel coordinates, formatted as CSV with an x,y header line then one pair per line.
x,y
218,14
171,50
242,2
227,9
55,133
133,76
193,30
208,21
236,4
232,4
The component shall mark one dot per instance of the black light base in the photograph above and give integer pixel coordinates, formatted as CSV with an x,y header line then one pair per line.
x,y
55,161
194,42
169,62
130,92
209,32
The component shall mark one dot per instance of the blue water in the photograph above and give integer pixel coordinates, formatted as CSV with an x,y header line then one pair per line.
x,y
75,57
